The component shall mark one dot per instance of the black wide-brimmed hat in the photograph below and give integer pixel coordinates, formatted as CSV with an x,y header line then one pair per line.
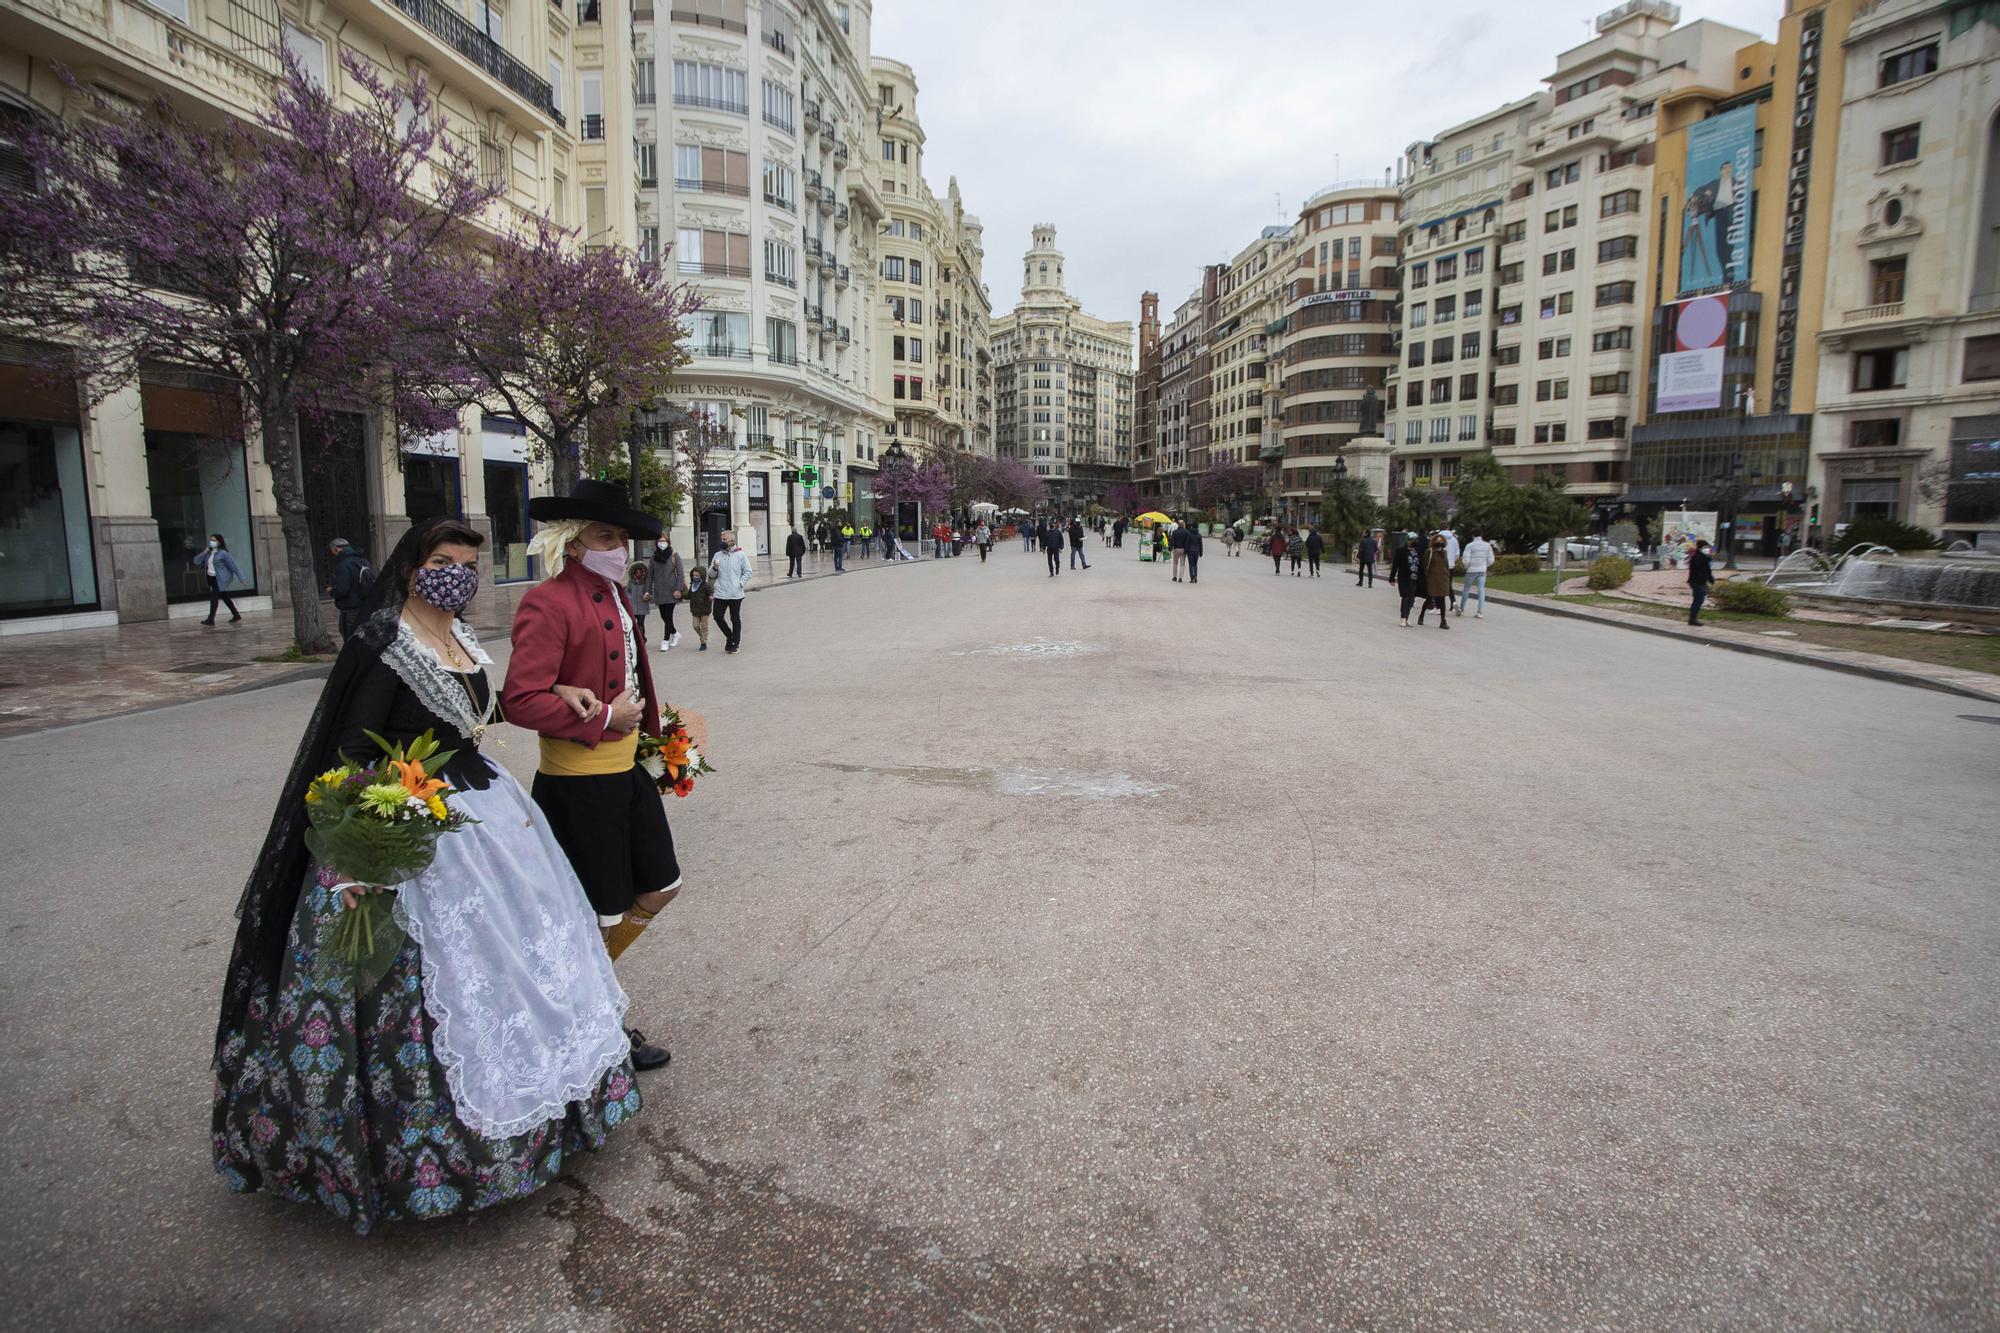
x,y
595,502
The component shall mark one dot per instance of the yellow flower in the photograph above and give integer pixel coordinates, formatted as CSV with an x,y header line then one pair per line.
x,y
438,810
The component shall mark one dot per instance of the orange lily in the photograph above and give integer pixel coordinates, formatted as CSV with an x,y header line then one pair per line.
x,y
411,774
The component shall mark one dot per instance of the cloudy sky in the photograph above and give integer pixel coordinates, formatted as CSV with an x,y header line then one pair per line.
x,y
1160,135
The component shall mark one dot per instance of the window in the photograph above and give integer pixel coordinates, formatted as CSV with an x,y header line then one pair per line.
x,y
1617,247
649,245
1447,308
1509,314
888,150
1419,274
1619,382
916,349
1615,293
1624,201
310,52
1441,391
1514,232
1552,220
780,185
1880,434
1551,347
1475,262
645,85
916,231
1440,433
590,105
916,389
778,106
916,309
709,170
1611,340
719,333
1885,280
1416,352
713,87
1552,432
1507,356
1463,156
1899,145
892,268
1551,391
1468,387
648,157
724,254
1606,428
1413,394
780,263
1440,350
1881,368
490,20
782,337
1914,63
1567,174
1509,274
1559,304
1420,315
1982,358
1414,434
1504,436
1506,395
1448,269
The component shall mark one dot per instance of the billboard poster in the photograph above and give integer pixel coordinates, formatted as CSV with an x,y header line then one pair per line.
x,y
1715,215
1695,340
1680,529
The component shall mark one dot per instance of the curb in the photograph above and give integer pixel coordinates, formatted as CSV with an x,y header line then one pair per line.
x,y
317,671
1869,669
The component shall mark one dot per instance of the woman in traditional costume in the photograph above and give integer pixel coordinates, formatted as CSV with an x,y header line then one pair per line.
x,y
495,1044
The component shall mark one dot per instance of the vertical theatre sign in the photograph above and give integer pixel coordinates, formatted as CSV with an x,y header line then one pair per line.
x,y
1798,186
1715,213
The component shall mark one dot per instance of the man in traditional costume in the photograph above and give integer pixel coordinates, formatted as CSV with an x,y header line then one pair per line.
x,y
579,677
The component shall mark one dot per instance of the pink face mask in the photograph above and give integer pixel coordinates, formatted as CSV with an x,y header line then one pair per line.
x,y
612,565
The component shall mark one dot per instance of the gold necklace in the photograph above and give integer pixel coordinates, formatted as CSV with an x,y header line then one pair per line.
x,y
452,653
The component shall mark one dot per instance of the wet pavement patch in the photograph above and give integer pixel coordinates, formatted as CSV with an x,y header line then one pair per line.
x,y
723,1246
1034,648
1014,781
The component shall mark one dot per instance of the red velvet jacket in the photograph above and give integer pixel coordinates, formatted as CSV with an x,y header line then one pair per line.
x,y
566,632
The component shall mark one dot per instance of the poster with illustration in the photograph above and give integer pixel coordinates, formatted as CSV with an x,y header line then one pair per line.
x,y
1715,213
1680,529
1694,344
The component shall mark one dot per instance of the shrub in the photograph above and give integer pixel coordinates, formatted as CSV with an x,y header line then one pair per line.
x,y
1886,532
1516,564
1610,571
1751,598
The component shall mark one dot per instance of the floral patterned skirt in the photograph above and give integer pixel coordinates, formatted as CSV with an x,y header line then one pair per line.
x,y
336,1097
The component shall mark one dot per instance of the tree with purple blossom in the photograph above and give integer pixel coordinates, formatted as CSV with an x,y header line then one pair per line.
x,y
1122,498
308,258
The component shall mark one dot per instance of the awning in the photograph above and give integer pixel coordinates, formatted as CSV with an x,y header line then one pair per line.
x,y
1276,326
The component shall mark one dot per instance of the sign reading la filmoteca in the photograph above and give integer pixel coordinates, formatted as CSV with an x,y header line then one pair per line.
x,y
1715,211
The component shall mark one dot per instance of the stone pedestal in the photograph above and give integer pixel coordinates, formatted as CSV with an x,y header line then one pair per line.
x,y
1368,462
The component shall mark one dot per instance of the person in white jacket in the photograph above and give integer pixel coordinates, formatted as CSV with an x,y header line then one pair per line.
x,y
1479,555
729,572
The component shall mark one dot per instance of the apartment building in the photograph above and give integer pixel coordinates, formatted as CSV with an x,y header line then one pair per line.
x,y
1181,414
1064,382
115,493
965,320
1338,337
1249,296
1577,247
1453,189
1146,404
1908,419
756,179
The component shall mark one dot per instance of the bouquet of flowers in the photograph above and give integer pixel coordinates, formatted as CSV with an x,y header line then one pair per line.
x,y
672,760
379,825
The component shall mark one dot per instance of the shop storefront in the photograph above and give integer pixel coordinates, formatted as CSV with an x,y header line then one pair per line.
x,y
335,452
197,474
47,565
503,451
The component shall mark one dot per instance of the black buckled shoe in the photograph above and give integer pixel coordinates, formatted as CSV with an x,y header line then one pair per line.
x,y
645,1055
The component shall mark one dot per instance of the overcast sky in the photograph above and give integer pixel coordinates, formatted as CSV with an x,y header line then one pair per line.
x,y
1160,135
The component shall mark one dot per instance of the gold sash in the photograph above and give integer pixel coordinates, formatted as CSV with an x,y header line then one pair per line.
x,y
568,759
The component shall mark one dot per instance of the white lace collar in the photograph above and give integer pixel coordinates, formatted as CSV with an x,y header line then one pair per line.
x,y
437,687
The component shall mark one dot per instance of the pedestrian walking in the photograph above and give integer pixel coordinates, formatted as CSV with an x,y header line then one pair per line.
x,y
638,594
1435,563
1052,546
1277,551
1479,556
795,555
353,579
1030,534
940,534
1118,533
220,567
1177,543
729,572
1191,548
1407,568
841,537
669,585
1451,548
701,604
1315,548
890,542
1364,560
982,537
1701,577
1076,543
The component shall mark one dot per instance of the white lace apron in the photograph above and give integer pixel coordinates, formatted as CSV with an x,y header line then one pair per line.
x,y
528,1015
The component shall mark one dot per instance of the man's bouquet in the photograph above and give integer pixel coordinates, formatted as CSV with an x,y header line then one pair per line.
x,y
672,760
379,825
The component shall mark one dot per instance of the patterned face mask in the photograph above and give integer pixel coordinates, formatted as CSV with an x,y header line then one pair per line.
x,y
450,588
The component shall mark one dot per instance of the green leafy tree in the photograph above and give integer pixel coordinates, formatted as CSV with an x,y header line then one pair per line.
x,y
1418,509
1519,518
1346,512
662,493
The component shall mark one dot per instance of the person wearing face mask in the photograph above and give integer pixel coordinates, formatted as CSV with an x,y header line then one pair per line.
x,y
581,679
669,587
388,1097
220,567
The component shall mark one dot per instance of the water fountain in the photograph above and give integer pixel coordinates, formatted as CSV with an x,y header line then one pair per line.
x,y
1955,580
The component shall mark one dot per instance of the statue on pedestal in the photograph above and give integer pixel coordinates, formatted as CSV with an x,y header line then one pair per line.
x,y
1371,413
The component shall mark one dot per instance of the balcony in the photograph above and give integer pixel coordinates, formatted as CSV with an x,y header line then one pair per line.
x,y
1868,314
778,358
809,112
813,184
591,129
779,201
782,279
777,41
840,155
484,52
706,20
826,134
843,337
697,102
722,351
814,251
826,201
687,186
711,268
813,313
842,276
778,122
840,215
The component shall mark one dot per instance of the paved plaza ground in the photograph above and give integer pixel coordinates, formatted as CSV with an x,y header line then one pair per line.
x,y
1100,952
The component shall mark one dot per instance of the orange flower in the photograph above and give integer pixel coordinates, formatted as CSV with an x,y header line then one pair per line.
x,y
683,787
676,751
411,774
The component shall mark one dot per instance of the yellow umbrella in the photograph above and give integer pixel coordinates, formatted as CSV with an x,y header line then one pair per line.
x,y
1153,517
